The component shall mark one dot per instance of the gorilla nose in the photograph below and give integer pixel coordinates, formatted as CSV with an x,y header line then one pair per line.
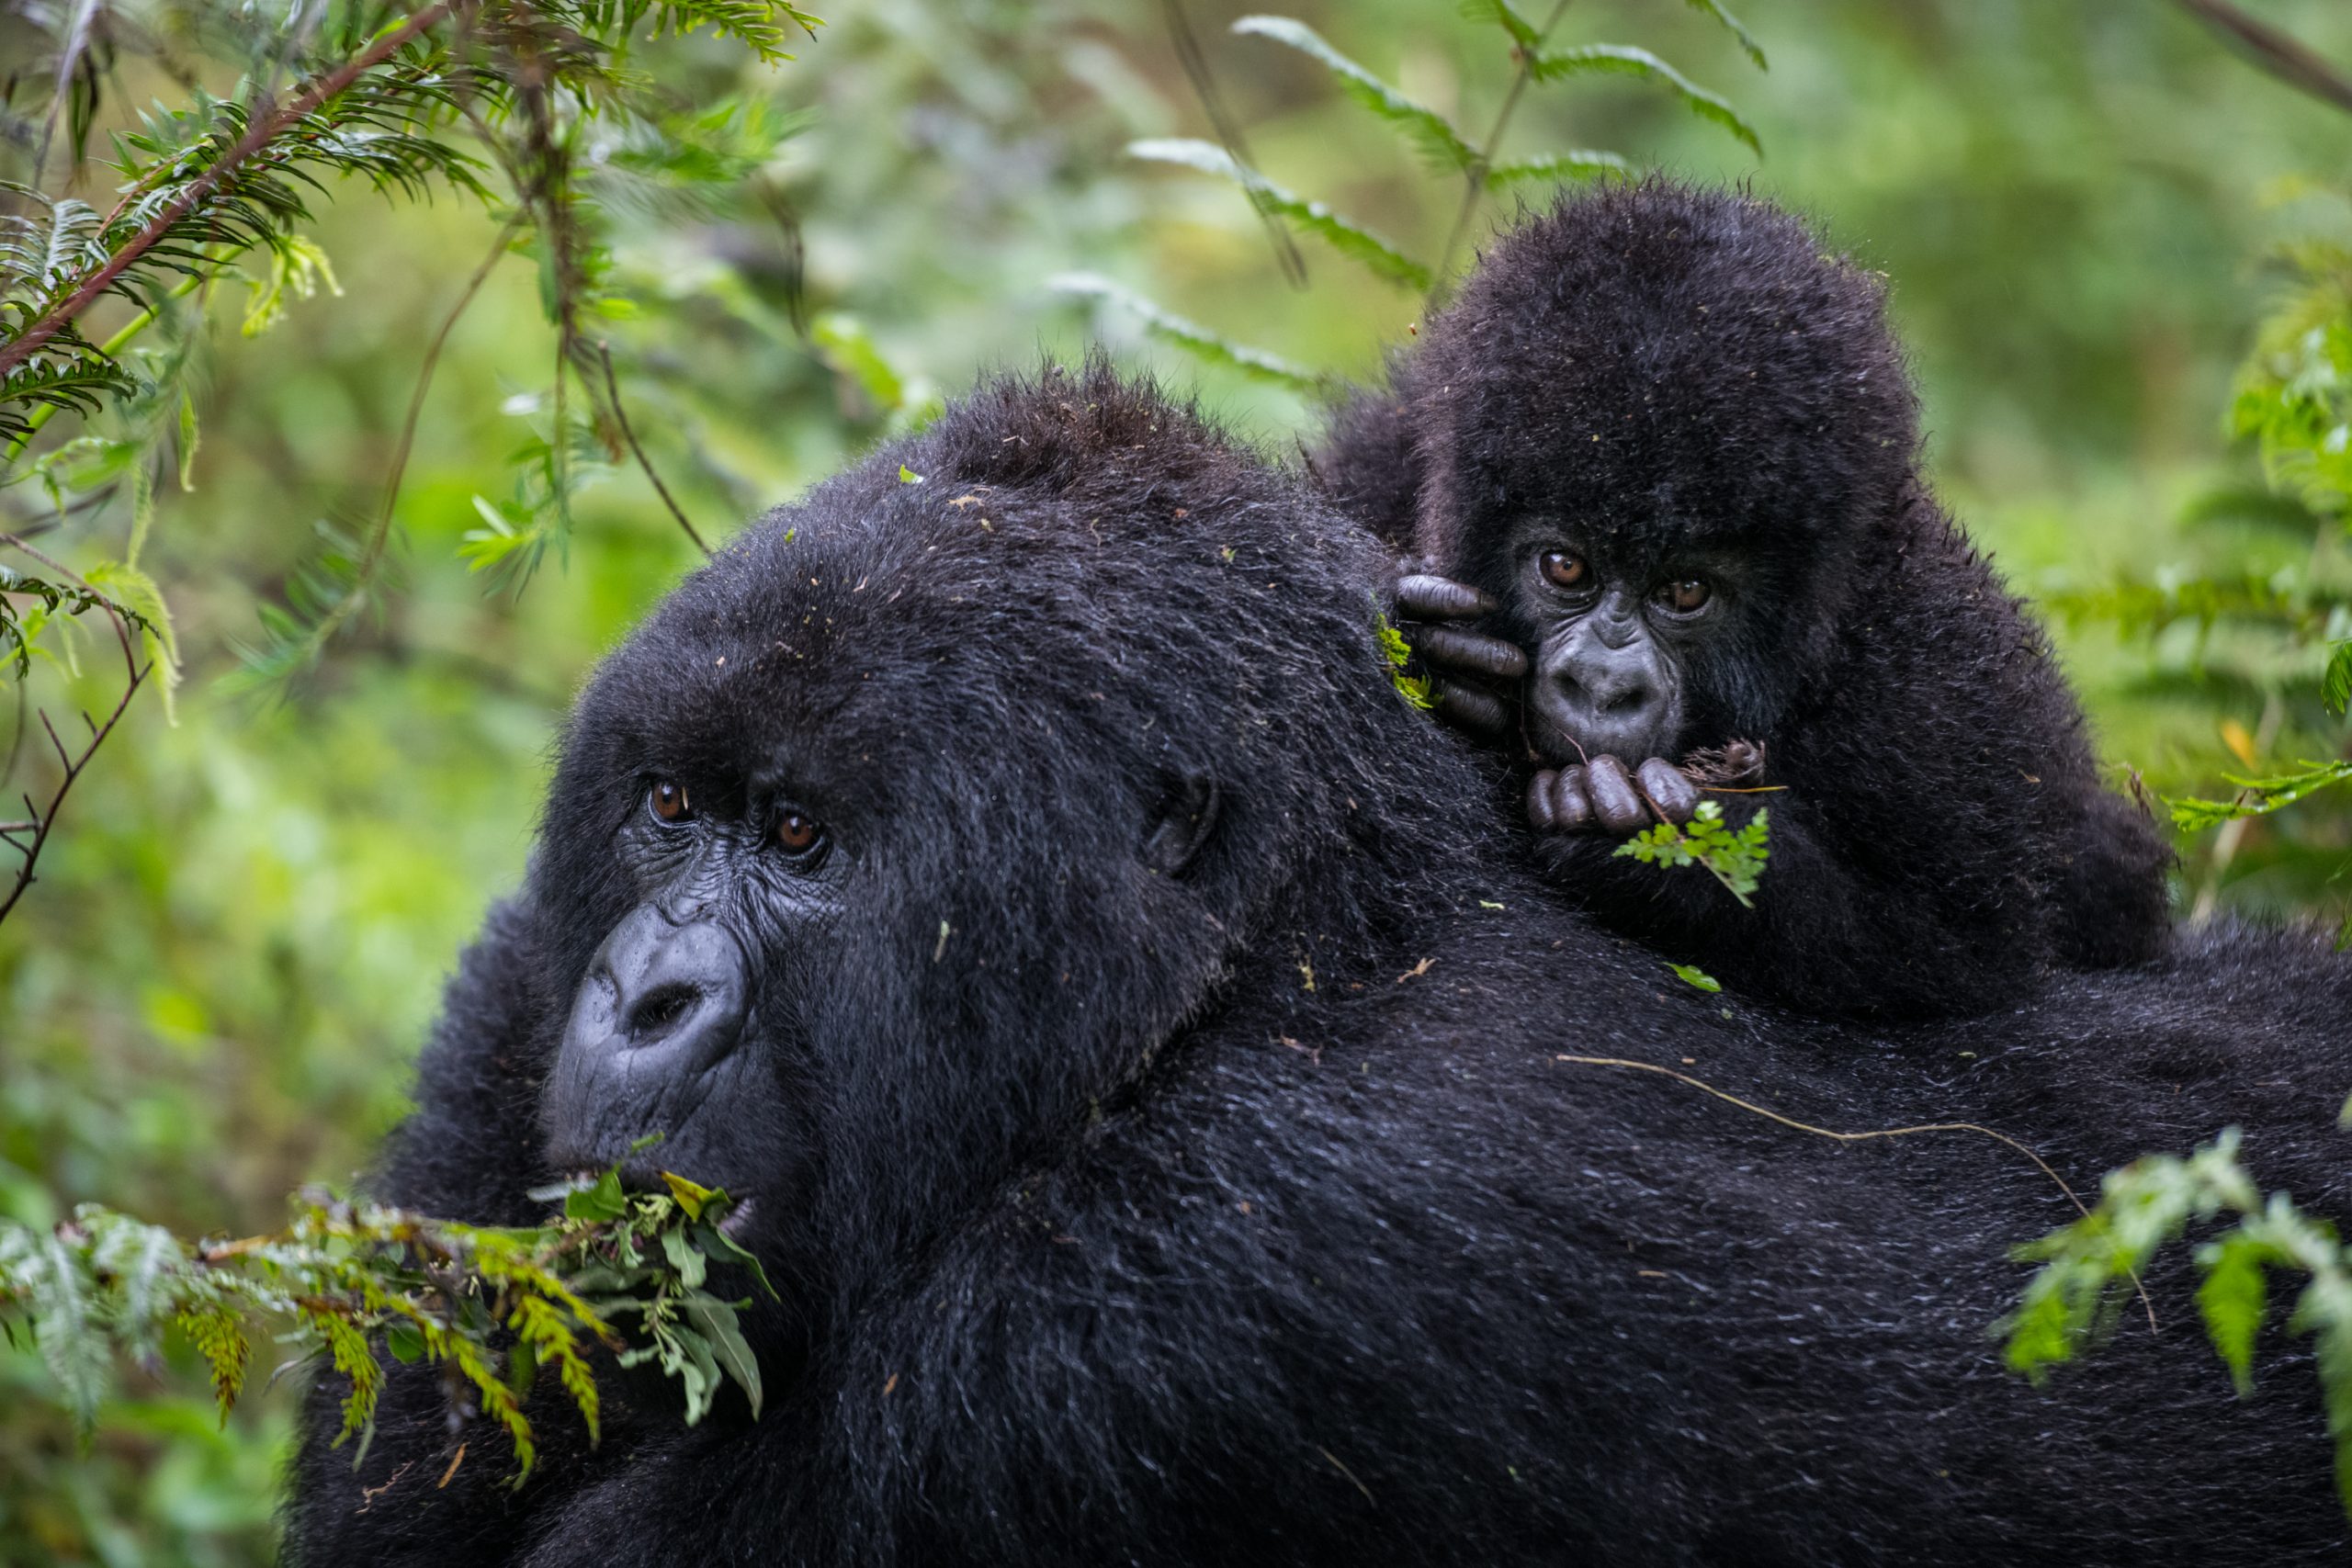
x,y
662,991
1620,692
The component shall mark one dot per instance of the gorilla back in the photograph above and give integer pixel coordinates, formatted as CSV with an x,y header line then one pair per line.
x,y
1153,1112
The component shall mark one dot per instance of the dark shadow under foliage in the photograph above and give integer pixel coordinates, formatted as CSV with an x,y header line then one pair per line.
x,y
1246,1214
1677,380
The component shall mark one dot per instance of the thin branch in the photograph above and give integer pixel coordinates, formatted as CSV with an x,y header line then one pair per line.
x,y
1475,178
2269,50
1195,61
260,134
42,820
620,417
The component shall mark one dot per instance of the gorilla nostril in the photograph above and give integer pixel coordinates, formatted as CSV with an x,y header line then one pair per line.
x,y
1626,702
659,1011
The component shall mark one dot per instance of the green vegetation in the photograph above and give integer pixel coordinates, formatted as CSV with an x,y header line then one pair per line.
x,y
375,466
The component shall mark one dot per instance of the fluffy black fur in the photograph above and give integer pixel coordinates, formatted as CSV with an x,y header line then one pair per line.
x,y
1249,1215
1664,373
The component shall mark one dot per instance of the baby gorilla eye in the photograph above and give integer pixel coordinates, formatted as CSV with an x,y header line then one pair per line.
x,y
1685,596
796,834
668,802
1565,568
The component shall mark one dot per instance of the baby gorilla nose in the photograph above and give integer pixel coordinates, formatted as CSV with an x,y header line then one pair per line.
x,y
1598,699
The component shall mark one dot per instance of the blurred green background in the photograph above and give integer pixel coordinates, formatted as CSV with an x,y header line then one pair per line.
x,y
215,990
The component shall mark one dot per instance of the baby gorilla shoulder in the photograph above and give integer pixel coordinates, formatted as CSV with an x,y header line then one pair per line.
x,y
1675,548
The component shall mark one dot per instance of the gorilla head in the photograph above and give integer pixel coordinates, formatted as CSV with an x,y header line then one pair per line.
x,y
1657,425
893,798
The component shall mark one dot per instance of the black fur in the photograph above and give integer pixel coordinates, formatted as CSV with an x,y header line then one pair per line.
x,y
1250,1215
1666,368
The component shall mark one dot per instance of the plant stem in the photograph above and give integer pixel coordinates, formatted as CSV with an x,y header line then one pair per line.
x,y
112,346
257,136
1475,179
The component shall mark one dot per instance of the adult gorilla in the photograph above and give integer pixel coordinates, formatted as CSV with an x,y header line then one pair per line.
x,y
1151,1106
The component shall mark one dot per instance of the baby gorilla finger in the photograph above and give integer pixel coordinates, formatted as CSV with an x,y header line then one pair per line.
x,y
1450,649
1424,597
1615,802
1540,815
1467,707
1671,795
1571,807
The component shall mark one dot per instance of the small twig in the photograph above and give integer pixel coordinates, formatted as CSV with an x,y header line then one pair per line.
x,y
260,134
1195,61
45,820
2270,51
1771,1115
628,434
1475,176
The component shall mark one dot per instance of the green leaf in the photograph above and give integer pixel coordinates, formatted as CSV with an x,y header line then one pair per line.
x,y
907,476
1189,335
1502,12
690,1195
1692,974
138,593
1425,127
1748,43
2257,798
1581,163
691,1266
850,351
1623,60
2232,1298
715,1319
1734,859
1348,238
601,1201
2336,686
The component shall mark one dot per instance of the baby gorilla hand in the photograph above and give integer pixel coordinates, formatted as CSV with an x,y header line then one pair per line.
x,y
1471,674
1599,794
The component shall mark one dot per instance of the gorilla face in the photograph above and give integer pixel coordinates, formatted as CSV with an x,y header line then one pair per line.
x,y
891,845
656,1041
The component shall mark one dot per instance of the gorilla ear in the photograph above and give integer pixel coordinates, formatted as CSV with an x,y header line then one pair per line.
x,y
1186,817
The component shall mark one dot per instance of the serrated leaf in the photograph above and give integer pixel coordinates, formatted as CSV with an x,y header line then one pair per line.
x,y
1502,12
1346,236
1748,43
1623,60
138,593
2232,1298
1189,335
1428,130
2336,686
1581,163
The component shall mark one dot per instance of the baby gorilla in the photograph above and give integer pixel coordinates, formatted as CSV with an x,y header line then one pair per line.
x,y
1666,461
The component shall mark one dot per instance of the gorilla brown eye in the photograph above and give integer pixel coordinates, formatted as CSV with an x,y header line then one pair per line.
x,y
668,801
1565,568
1686,596
797,833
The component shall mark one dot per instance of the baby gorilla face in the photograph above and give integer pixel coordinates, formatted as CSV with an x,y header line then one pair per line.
x,y
1615,636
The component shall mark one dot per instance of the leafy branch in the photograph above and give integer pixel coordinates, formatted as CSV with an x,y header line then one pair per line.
x,y
1442,145
1734,858
356,1284
2074,1300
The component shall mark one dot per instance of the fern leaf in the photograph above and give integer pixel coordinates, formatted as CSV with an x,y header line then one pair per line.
x,y
1623,60
1581,163
1350,238
1189,335
1428,130
1733,25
